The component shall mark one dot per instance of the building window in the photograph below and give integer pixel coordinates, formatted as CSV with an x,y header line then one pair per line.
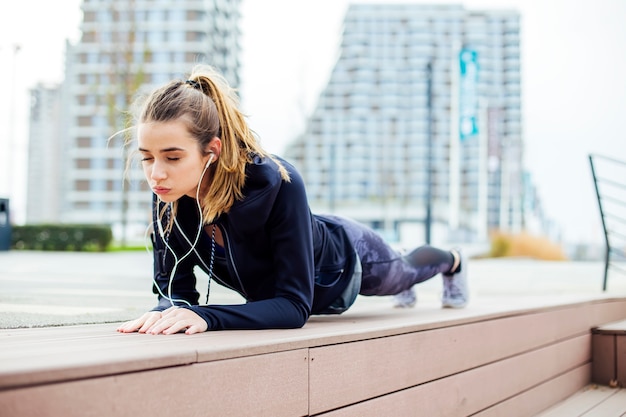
x,y
83,163
83,142
112,163
81,185
84,121
89,17
194,15
194,36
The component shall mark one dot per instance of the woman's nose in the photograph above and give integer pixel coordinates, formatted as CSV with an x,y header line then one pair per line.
x,y
158,171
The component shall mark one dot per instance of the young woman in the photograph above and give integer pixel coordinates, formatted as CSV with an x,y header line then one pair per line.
x,y
224,204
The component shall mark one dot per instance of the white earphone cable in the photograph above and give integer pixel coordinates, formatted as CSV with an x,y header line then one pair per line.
x,y
192,245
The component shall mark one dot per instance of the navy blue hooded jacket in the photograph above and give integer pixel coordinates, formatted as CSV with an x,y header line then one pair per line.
x,y
286,262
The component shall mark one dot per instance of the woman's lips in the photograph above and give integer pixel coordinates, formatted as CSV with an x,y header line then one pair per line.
x,y
161,190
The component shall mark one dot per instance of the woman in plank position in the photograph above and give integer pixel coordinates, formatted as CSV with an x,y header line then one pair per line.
x,y
224,204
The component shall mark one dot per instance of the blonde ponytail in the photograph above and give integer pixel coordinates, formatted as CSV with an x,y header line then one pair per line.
x,y
213,113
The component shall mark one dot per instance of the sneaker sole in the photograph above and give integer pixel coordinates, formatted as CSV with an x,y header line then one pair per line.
x,y
448,305
404,305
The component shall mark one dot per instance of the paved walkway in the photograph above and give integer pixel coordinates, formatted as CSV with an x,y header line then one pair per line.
x,y
62,288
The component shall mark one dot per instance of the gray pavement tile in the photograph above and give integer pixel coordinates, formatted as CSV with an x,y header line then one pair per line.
x,y
62,288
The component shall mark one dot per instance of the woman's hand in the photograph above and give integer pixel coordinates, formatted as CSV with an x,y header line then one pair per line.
x,y
142,324
170,321
174,320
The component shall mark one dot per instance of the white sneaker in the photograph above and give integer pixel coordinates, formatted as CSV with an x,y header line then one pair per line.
x,y
405,299
455,291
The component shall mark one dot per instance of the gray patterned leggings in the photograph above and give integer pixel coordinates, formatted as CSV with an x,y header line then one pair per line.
x,y
385,270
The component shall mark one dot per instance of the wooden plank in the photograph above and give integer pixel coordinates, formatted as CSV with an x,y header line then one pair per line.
x,y
618,327
527,404
614,406
582,403
604,366
467,393
535,400
347,374
270,385
84,363
609,312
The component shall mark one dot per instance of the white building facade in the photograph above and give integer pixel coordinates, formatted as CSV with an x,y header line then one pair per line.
x,y
129,47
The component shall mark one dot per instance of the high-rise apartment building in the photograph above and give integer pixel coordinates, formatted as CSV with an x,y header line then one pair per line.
x,y
128,47
420,123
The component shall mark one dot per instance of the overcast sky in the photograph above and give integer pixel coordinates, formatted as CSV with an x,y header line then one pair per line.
x,y
573,66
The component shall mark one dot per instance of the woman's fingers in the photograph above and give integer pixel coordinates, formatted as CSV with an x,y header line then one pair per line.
x,y
179,320
170,321
141,324
196,328
169,310
130,326
152,317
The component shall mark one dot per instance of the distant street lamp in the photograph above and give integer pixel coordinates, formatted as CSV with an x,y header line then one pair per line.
x,y
11,142
429,152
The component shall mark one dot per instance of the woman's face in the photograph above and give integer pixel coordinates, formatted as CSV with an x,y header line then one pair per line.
x,y
171,159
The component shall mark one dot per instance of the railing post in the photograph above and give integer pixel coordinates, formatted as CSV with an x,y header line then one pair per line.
x,y
606,235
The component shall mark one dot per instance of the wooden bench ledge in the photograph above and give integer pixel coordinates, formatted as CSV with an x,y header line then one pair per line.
x,y
41,355
333,362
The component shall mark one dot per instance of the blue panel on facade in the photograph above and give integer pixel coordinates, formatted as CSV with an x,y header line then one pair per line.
x,y
468,94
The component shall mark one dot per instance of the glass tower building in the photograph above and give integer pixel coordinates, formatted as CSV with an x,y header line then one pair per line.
x,y
419,126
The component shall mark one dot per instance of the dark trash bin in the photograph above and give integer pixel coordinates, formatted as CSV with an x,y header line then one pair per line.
x,y
5,225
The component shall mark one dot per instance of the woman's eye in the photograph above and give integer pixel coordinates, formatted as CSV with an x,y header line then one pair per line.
x,y
173,159
146,159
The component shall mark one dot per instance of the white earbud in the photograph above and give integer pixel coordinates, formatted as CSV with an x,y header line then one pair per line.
x,y
210,160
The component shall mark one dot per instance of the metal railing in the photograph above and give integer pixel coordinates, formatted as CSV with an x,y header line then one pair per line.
x,y
609,179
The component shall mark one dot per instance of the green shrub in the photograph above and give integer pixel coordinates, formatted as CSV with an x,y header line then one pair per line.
x,y
62,237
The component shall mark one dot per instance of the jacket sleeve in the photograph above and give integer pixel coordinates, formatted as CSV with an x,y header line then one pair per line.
x,y
174,280
291,241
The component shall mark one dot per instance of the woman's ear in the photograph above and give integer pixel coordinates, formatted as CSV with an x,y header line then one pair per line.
x,y
215,147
